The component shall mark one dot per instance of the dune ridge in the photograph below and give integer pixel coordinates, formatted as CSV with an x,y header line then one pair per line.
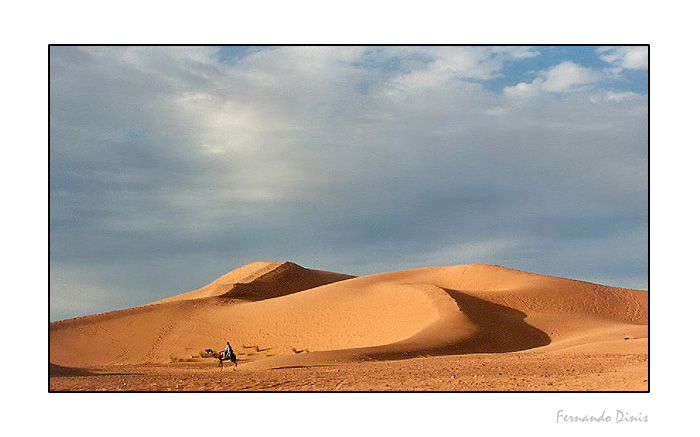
x,y
278,314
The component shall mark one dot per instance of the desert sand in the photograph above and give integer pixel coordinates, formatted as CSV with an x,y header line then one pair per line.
x,y
474,327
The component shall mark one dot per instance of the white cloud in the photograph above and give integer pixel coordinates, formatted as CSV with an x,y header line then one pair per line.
x,y
630,57
562,78
523,89
567,76
428,67
614,96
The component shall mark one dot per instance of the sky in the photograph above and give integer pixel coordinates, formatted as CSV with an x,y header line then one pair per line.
x,y
171,166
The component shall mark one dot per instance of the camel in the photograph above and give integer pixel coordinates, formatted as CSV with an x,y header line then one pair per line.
x,y
222,356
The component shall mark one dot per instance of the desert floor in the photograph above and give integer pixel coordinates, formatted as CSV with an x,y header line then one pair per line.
x,y
518,371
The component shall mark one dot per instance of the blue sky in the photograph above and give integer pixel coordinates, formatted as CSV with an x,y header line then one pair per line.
x,y
170,166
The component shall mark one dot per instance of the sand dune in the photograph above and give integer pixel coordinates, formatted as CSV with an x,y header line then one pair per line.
x,y
280,314
262,280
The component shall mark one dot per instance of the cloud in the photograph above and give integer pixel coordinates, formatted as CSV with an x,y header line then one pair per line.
x,y
628,57
427,67
568,76
564,77
615,96
170,167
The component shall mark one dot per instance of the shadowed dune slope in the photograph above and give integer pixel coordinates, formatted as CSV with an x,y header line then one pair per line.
x,y
285,317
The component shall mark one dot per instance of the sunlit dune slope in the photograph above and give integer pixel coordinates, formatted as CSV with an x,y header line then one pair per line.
x,y
289,318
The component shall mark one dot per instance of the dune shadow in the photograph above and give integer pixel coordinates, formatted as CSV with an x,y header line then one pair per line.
x,y
499,329
62,371
286,279
56,371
